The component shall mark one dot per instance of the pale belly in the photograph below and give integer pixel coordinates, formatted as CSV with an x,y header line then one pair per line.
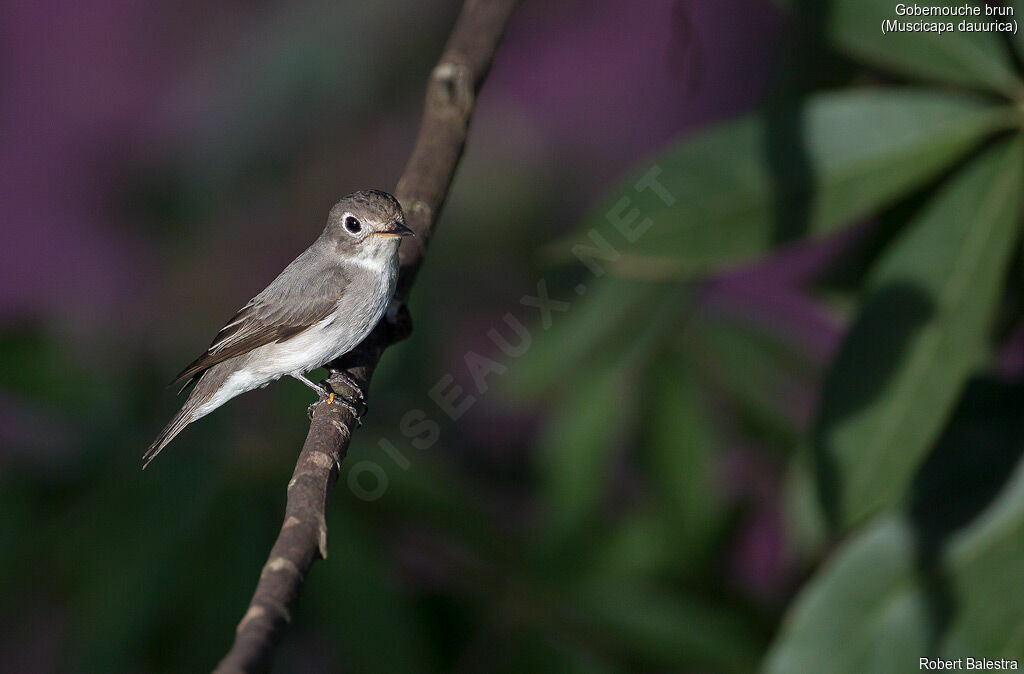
x,y
306,351
314,347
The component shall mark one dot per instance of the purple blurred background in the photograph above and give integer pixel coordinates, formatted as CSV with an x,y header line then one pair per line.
x,y
97,93
161,161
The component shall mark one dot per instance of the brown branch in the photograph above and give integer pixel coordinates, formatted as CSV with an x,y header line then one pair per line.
x,y
451,93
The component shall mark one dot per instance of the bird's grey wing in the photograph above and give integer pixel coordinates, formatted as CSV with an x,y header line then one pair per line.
x,y
302,296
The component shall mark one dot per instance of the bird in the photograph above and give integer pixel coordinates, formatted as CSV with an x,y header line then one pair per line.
x,y
324,303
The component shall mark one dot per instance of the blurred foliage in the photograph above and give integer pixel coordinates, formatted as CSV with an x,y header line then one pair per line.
x,y
804,169
923,503
936,578
676,475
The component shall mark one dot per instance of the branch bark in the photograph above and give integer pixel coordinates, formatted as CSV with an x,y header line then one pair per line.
x,y
422,188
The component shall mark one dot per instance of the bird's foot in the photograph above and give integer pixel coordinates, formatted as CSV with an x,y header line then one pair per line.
x,y
334,399
311,410
341,376
354,403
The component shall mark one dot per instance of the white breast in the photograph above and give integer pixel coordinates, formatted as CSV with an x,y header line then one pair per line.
x,y
358,310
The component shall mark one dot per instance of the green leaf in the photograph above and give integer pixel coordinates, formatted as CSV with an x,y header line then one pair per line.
x,y
596,408
682,445
576,448
665,629
761,373
972,59
921,331
806,525
642,543
940,580
598,327
740,188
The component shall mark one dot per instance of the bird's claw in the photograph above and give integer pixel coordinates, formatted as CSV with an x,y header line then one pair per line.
x,y
349,381
326,396
334,398
347,402
311,410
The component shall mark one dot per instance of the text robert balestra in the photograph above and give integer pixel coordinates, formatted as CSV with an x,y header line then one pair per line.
x,y
975,664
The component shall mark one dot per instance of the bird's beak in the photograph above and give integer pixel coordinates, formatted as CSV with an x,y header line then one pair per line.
x,y
395,229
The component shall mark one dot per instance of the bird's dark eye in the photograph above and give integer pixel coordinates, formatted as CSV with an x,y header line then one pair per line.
x,y
352,225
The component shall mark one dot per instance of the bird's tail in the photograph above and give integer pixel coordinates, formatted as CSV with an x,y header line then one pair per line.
x,y
196,407
183,418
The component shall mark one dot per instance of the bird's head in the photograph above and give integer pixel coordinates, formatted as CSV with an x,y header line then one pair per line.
x,y
366,223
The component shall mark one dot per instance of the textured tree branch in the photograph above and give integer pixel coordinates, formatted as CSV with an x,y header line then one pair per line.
x,y
422,188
